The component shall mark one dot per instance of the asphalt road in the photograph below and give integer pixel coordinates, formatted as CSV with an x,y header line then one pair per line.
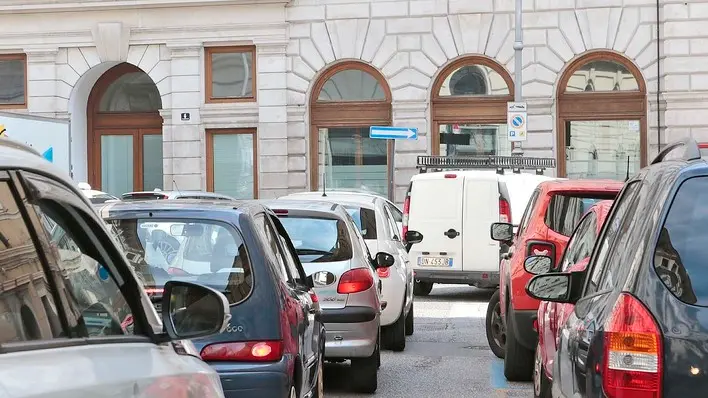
x,y
447,356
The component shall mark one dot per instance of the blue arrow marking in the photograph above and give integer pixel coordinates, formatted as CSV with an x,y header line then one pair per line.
x,y
49,154
393,133
517,121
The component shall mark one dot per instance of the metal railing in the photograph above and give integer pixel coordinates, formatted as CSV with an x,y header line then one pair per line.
x,y
499,163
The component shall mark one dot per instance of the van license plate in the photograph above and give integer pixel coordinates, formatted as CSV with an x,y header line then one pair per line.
x,y
435,261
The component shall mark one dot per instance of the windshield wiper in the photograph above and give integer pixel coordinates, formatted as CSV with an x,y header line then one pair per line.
x,y
306,252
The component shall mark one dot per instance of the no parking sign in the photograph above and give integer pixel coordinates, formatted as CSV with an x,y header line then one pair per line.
x,y
516,121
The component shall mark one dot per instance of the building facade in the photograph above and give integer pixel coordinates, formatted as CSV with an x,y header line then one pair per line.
x,y
259,98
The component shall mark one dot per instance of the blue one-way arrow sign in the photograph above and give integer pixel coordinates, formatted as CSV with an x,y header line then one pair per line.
x,y
393,133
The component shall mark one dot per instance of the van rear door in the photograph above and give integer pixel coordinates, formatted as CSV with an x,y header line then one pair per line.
x,y
480,210
436,212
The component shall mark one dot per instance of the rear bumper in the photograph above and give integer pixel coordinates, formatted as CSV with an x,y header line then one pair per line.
x,y
254,380
477,278
523,327
351,332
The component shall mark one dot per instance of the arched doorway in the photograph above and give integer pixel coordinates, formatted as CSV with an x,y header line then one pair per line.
x,y
602,118
124,132
346,100
469,103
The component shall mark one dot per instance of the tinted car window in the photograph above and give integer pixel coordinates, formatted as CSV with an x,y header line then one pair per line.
x,y
565,210
365,220
581,243
527,213
318,239
681,252
201,251
98,199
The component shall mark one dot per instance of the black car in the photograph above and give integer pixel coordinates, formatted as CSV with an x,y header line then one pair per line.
x,y
640,323
274,345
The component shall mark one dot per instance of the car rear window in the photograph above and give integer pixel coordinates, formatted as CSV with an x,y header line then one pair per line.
x,y
318,239
365,220
98,199
681,251
205,252
143,196
566,209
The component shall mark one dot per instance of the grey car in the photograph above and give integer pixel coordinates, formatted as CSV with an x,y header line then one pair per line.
x,y
158,194
333,251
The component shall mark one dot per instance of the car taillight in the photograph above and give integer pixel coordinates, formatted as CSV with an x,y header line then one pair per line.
x,y
247,351
355,281
540,249
504,211
313,297
406,211
633,351
383,272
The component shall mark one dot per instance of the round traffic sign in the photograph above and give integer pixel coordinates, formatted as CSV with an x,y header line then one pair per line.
x,y
517,121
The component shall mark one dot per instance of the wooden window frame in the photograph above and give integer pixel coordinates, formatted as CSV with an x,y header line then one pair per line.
x,y
355,114
601,105
210,133
23,58
481,109
208,52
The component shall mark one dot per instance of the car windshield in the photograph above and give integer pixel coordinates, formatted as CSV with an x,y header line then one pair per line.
x,y
365,220
206,252
318,240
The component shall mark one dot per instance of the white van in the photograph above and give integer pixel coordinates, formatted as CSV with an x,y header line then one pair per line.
x,y
453,210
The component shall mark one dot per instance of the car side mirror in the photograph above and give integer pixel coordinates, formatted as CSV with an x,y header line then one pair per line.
x,y
413,237
384,260
191,311
537,265
562,287
310,282
502,232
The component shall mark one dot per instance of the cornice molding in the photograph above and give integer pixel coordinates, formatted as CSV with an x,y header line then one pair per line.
x,y
41,55
47,6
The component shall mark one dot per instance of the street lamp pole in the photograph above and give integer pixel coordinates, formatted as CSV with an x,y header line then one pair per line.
x,y
518,50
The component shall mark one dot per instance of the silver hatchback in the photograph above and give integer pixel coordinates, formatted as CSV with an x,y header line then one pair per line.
x,y
332,250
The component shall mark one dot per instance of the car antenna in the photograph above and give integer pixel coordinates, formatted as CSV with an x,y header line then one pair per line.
x,y
174,184
324,184
627,179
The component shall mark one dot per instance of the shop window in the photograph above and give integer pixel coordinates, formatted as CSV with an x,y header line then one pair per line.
x,y
13,81
231,163
347,100
469,108
601,118
230,74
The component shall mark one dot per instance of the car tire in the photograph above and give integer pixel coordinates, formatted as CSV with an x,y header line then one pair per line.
x,y
365,371
518,360
495,328
541,384
409,321
319,384
422,288
395,335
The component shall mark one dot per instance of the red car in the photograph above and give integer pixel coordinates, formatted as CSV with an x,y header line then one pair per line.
x,y
552,315
550,217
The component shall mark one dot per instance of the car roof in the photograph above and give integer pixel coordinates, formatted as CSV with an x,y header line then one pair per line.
x,y
437,175
349,198
305,207
178,193
581,185
111,209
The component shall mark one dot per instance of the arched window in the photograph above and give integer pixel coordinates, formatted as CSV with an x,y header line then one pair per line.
x,y
601,118
469,104
346,100
125,132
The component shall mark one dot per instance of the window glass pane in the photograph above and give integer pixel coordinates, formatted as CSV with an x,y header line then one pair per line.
x,y
116,164
474,80
233,165
203,252
581,243
132,92
681,252
231,75
602,149
12,81
152,162
318,240
564,211
352,160
351,85
27,308
264,228
474,140
365,220
602,76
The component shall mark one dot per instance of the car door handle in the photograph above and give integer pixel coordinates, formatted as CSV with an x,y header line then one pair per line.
x,y
451,233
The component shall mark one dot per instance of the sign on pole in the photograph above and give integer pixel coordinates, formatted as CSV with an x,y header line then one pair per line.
x,y
393,133
516,121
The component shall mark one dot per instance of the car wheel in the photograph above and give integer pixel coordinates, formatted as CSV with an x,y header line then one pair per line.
x,y
366,372
422,288
396,334
518,360
319,386
541,384
409,322
496,330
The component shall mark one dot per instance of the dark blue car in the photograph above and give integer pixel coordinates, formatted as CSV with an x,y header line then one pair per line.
x,y
274,345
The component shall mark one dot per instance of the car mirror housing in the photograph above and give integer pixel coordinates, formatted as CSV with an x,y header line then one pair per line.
x,y
413,237
384,260
560,287
537,265
502,232
191,311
